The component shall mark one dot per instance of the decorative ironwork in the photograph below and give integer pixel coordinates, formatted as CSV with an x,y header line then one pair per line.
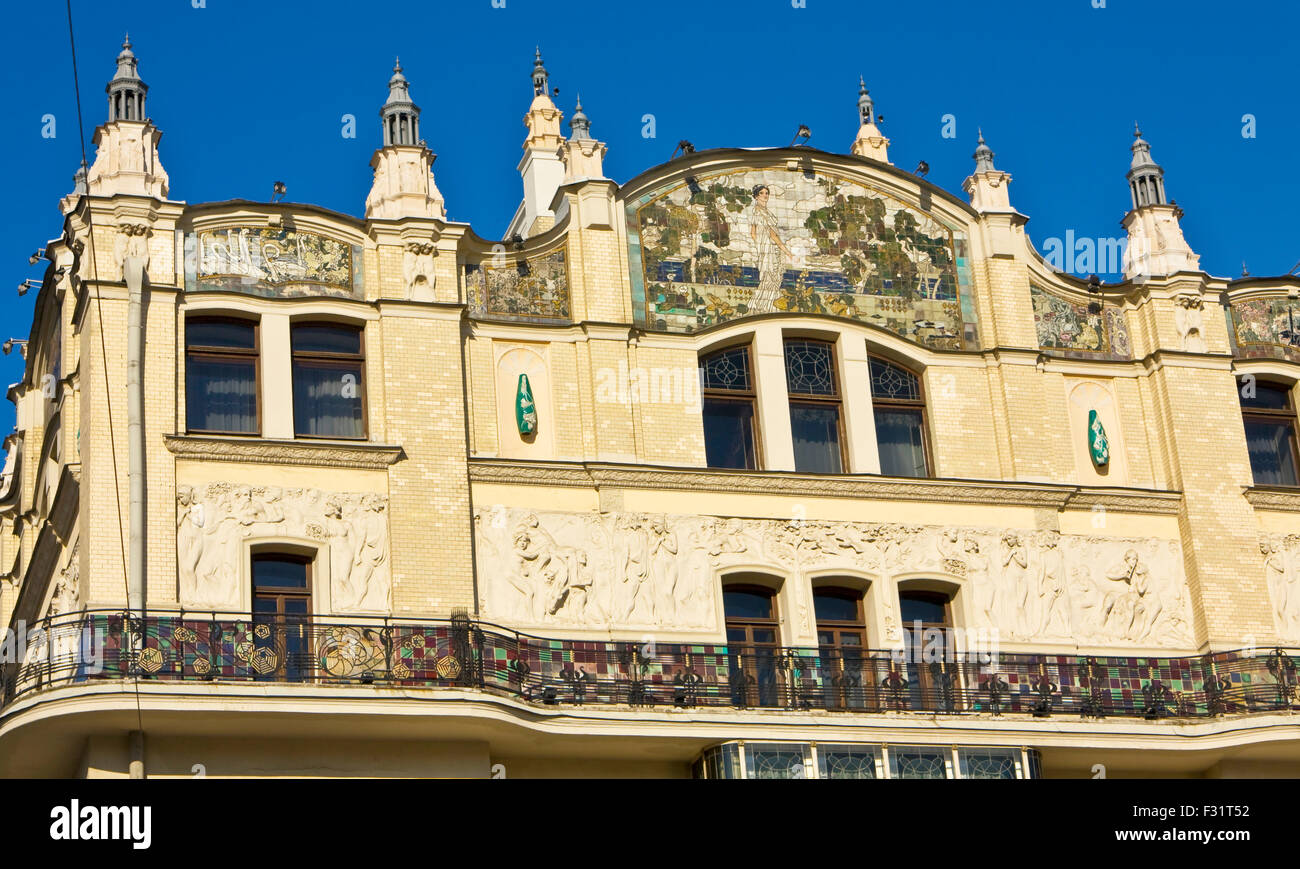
x,y
464,653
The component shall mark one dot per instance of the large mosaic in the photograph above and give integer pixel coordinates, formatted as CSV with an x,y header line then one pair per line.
x,y
267,261
536,288
1073,330
720,247
1266,328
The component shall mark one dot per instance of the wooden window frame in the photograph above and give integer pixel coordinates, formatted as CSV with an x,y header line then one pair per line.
x,y
315,356
908,404
1274,415
225,353
859,624
836,401
748,396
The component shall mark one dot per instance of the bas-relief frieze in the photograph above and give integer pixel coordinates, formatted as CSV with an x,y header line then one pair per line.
x,y
1282,569
652,571
213,522
270,261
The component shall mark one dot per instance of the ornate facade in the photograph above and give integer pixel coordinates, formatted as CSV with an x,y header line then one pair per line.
x,y
762,462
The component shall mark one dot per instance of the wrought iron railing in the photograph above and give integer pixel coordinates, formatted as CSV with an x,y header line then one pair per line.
x,y
460,653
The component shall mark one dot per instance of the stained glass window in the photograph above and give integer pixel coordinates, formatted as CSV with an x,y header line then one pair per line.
x,y
730,439
890,381
814,406
846,761
899,411
776,761
917,763
810,368
986,763
727,369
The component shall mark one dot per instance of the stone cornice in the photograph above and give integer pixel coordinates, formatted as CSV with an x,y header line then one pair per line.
x,y
599,475
1286,500
319,454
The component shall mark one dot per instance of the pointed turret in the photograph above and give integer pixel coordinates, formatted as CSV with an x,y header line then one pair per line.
x,y
126,145
987,186
541,167
1156,246
870,141
403,184
582,155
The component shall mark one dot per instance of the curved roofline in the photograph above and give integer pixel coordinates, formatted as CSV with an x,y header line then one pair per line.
x,y
849,161
287,207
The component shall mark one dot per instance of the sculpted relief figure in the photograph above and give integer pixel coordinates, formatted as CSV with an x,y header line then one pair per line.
x,y
417,270
635,570
213,522
1280,569
1189,321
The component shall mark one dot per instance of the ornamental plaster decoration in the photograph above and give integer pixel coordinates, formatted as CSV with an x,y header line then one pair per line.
x,y
641,571
214,521
417,270
1282,568
132,241
1189,320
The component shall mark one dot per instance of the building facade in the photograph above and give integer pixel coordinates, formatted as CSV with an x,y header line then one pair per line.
x,y
765,463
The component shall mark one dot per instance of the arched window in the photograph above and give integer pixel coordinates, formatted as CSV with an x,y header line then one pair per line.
x,y
221,376
752,644
814,406
842,643
730,440
899,407
928,642
328,381
1270,419
282,603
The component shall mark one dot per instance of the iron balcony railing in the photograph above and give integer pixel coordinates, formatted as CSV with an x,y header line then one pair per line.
x,y
461,653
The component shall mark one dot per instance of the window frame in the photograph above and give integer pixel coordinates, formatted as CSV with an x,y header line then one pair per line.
x,y
836,400
904,404
1274,415
318,356
225,353
748,396
838,626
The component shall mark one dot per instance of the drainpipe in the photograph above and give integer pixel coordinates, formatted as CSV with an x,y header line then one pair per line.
x,y
133,273
135,767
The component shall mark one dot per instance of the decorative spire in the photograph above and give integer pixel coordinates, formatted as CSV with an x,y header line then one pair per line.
x,y
866,110
126,92
539,75
580,124
1145,177
983,156
400,116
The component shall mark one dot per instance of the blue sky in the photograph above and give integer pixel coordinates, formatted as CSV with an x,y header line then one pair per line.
x,y
247,93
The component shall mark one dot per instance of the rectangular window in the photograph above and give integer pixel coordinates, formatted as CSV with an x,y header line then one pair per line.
x,y
730,440
221,376
899,410
328,381
814,406
1270,421
282,606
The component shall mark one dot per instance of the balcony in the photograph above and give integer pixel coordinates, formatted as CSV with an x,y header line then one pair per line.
x,y
459,653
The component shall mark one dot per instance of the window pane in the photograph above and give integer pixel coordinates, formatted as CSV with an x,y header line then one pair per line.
x,y
992,763
774,761
831,607
327,399
729,433
727,369
891,381
1272,457
809,368
924,607
221,395
845,761
220,333
916,763
901,439
747,604
1265,395
326,338
279,572
816,431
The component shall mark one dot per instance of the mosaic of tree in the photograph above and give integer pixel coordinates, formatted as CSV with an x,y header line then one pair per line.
x,y
710,250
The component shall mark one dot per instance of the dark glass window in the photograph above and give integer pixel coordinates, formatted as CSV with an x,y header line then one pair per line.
x,y
899,410
752,645
730,440
841,639
221,376
282,605
328,381
1270,420
924,612
814,406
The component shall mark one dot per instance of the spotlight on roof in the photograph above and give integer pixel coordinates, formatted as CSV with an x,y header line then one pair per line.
x,y
7,346
60,272
36,257
278,190
27,285
684,147
922,169
1094,288
10,343
555,91
802,133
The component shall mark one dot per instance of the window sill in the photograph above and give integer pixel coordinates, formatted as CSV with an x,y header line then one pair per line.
x,y
314,453
1284,498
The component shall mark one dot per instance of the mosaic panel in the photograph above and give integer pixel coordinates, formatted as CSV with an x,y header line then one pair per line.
x,y
1266,328
756,241
1072,330
268,261
533,289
